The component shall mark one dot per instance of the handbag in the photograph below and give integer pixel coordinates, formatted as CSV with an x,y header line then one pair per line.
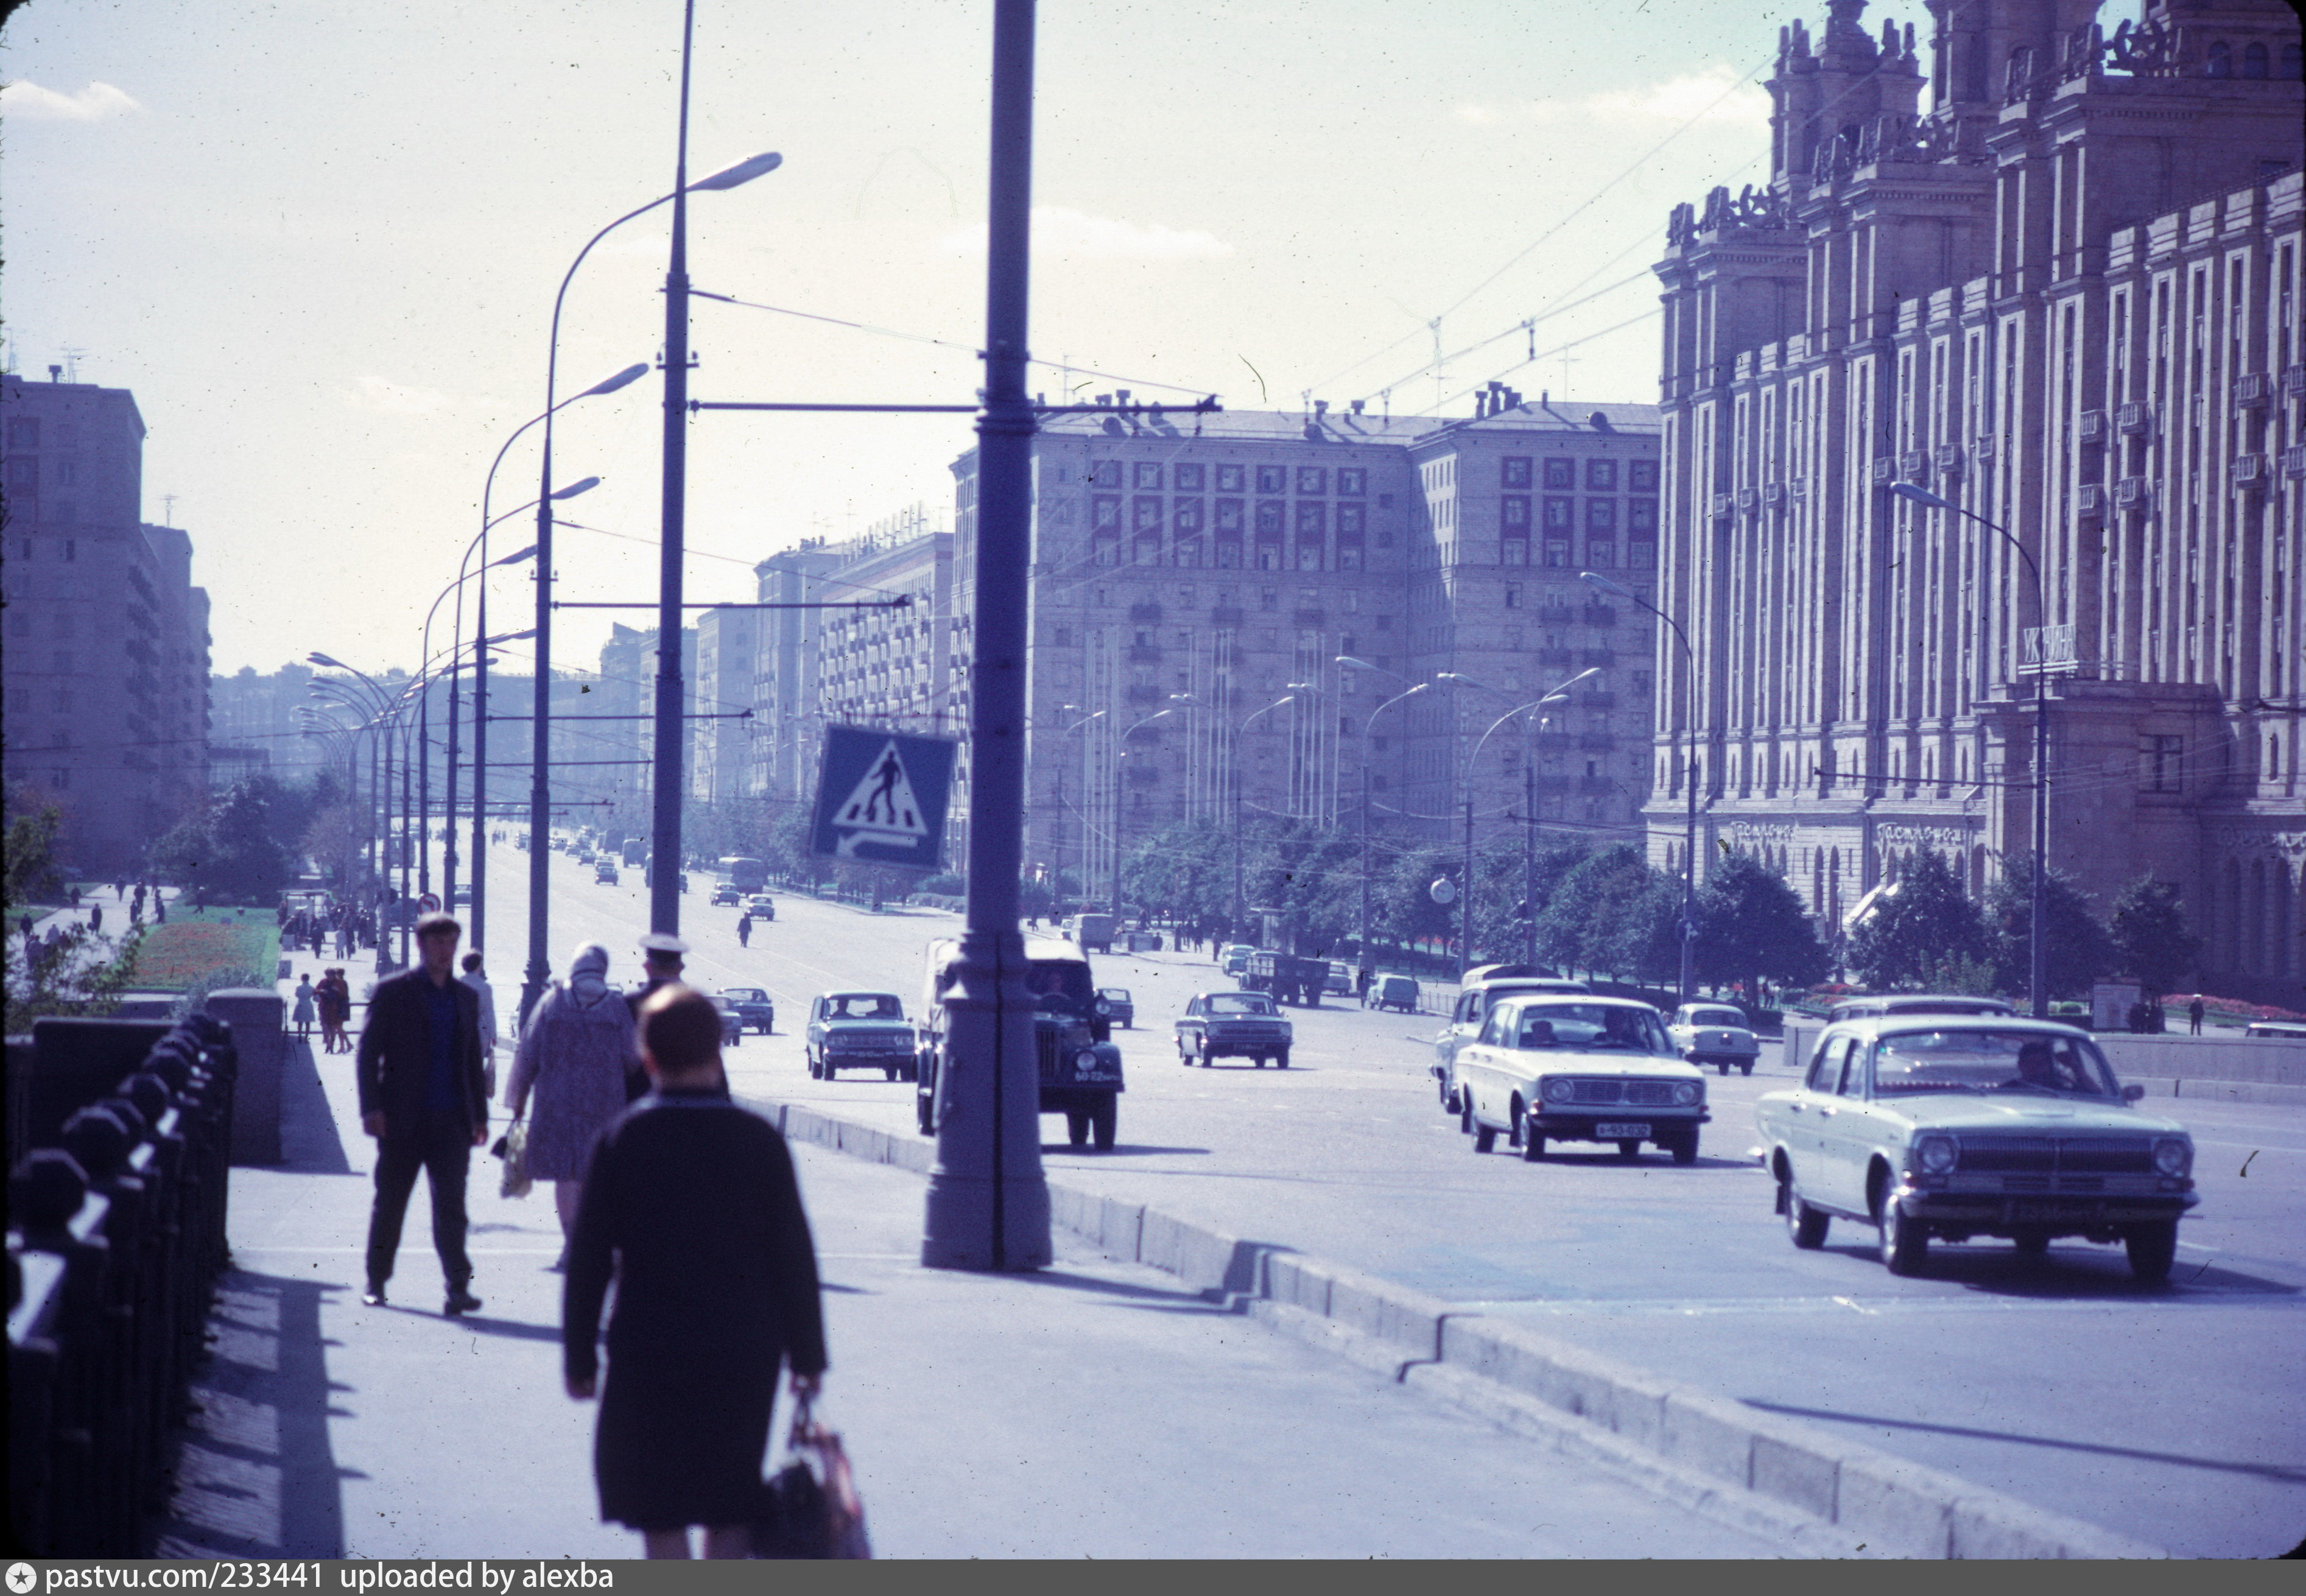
x,y
802,1516
512,1146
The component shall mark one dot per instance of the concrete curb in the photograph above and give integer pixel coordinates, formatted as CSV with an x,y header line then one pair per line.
x,y
1500,1368
2196,1088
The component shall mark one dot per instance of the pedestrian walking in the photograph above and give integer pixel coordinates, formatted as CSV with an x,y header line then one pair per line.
x,y
690,1206
2194,1017
575,1055
477,980
307,1009
96,917
335,1000
419,1075
661,961
159,907
744,930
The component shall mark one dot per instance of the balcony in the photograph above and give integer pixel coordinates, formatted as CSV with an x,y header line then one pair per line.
x,y
1748,499
1554,615
2091,427
1308,617
1722,503
1773,493
2254,389
1950,458
1144,653
2293,460
1912,464
1144,693
2294,381
1145,613
2135,418
1600,615
2089,499
2133,492
2249,468
1225,615
1884,471
1982,446
1596,742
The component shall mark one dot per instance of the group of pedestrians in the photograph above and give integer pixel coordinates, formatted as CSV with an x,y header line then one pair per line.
x,y
665,1188
329,1001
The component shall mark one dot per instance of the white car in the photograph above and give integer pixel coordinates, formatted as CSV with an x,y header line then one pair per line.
x,y
1954,1126
1485,986
1566,1068
1714,1034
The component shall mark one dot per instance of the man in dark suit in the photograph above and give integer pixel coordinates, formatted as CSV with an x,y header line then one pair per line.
x,y
421,1097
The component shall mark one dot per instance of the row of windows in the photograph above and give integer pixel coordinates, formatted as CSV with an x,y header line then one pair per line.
x,y
1189,554
1560,515
1353,481
1560,476
1226,515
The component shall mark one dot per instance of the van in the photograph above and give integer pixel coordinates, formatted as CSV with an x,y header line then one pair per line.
x,y
1915,1002
1079,1068
1485,985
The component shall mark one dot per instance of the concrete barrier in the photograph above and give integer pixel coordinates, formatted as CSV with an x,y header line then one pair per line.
x,y
254,1014
2271,1068
1872,1497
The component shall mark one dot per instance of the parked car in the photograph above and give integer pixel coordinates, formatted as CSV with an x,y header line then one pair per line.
x,y
1392,992
1562,1067
725,892
1235,958
1948,1126
1233,1025
761,906
732,1027
754,1006
1341,978
1915,1002
605,873
859,1031
1080,1074
1119,1007
1092,932
1482,989
1715,1034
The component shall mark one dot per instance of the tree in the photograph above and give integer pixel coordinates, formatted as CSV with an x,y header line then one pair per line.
x,y
1597,920
1751,926
77,973
2078,948
1914,923
2151,936
32,874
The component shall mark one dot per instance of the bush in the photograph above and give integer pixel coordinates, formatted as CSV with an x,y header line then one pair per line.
x,y
196,997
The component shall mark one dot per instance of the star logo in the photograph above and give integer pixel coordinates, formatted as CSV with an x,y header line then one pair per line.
x,y
21,1578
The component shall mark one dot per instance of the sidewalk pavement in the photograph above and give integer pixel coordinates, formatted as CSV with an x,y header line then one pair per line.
x,y
1094,1408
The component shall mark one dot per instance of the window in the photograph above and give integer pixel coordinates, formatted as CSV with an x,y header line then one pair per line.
x,y
1601,553
1513,513
1064,638
1312,518
1353,519
2165,758
1641,515
1601,516
1602,476
1514,471
1186,513
1233,479
1189,479
2253,60
1513,551
1108,553
1272,479
71,545
1269,518
1104,512
1385,502
1349,557
1228,513
1148,475
1268,598
1352,480
1560,514
1105,473
1561,474
1557,553
1312,478
1641,555
1146,514
1513,596
1642,476
2221,62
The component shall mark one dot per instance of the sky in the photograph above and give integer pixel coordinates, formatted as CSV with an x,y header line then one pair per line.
x,y
320,241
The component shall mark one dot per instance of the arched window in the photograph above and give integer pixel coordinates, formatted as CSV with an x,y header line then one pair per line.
x,y
2221,62
2253,60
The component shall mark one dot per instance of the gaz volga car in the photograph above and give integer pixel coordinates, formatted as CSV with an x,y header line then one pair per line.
x,y
859,1031
1578,1068
1233,1025
1947,1126
1714,1034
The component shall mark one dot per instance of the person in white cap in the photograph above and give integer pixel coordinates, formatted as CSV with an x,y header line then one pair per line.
x,y
661,963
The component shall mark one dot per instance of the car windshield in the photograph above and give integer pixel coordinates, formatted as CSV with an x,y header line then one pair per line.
x,y
1592,1027
1981,1060
1716,1017
1239,1003
1119,995
743,995
1060,982
865,1005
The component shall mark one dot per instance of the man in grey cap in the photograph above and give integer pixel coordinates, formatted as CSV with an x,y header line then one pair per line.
x,y
661,962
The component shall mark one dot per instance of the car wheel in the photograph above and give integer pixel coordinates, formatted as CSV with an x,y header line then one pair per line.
x,y
921,1106
1806,1224
1746,1068
1076,1127
1629,1150
1723,1066
1464,1112
737,1040
889,1071
1282,1058
2031,1243
1533,1140
813,1073
1904,1243
1261,1063
1684,1147
2152,1249
1485,1136
1103,1121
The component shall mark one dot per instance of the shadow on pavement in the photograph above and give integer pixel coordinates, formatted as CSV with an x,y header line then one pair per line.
x,y
309,1142
1119,1149
2285,1473
2075,1271
255,1474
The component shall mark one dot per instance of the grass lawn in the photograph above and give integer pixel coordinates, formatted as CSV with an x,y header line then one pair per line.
x,y
196,943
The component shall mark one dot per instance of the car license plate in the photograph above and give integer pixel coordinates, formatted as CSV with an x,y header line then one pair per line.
x,y
1613,1130
2040,1210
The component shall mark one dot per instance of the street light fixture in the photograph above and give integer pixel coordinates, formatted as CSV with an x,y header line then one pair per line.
x,y
2037,955
1350,664
1556,694
1690,780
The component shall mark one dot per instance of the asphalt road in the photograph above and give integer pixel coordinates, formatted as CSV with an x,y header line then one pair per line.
x,y
2175,1414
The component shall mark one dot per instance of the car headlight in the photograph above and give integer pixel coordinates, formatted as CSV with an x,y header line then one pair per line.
x,y
1085,1063
1937,1155
1558,1090
1687,1093
2173,1156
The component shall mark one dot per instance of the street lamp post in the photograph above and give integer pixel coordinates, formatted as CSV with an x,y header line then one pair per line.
x,y
1350,664
1556,694
1689,781
2038,948
1240,907
1057,886
1117,797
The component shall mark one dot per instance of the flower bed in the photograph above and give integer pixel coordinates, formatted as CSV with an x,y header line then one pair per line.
x,y
2231,1011
197,943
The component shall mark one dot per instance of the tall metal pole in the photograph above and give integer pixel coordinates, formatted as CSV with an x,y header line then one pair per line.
x,y
478,929
449,807
988,1201
1529,850
425,784
404,916
2038,953
1689,840
664,846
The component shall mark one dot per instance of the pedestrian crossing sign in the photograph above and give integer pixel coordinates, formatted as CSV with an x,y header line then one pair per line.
x,y
881,798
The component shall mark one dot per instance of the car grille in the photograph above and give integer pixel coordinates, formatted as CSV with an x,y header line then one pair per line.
x,y
1648,1092
840,1042
1048,1042
2049,1155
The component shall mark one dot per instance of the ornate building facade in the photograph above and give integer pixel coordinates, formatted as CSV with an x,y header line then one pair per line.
x,y
2052,278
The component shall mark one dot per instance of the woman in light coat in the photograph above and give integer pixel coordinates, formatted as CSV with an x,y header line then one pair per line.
x,y
574,1052
307,1010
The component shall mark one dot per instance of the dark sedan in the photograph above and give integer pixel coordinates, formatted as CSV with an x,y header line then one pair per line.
x,y
754,1008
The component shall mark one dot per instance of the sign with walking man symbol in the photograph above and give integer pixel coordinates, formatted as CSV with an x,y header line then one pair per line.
x,y
881,798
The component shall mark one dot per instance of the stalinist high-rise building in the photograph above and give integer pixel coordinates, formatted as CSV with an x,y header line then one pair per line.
x,y
2051,273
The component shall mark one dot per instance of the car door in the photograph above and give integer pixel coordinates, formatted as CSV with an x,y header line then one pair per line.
x,y
1844,1133
1189,1028
1478,1076
1801,1119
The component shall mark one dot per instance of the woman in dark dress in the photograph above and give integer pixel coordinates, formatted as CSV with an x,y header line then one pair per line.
x,y
691,1205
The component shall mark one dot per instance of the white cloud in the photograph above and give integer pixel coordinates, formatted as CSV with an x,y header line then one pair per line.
x,y
28,101
1060,234
1714,98
393,398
